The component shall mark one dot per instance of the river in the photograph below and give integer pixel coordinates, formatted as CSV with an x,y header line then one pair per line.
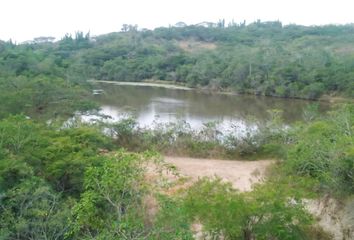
x,y
155,105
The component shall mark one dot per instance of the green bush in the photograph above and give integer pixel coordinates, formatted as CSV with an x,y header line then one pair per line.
x,y
324,150
268,212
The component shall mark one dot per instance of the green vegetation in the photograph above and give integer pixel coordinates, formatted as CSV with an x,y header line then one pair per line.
x,y
265,213
35,81
49,177
67,183
260,58
69,180
264,58
178,138
320,148
323,150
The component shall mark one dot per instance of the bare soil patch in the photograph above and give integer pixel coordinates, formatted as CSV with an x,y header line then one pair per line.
x,y
193,45
241,174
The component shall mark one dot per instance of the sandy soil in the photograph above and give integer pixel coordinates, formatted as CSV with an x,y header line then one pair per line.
x,y
334,217
242,174
145,84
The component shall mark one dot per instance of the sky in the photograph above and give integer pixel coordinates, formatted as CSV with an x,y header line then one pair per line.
x,y
22,20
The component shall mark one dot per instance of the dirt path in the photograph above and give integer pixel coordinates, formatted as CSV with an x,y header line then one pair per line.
x,y
242,174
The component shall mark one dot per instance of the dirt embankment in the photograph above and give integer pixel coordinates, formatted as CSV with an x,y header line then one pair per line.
x,y
334,217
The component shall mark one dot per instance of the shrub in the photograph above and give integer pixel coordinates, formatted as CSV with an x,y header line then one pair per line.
x,y
324,150
266,213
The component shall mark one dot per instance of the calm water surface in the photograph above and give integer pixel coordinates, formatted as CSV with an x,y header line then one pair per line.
x,y
151,105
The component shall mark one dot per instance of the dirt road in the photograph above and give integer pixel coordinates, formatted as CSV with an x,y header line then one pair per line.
x,y
242,174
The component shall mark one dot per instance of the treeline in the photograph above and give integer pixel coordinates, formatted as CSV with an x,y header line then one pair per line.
x,y
36,80
264,58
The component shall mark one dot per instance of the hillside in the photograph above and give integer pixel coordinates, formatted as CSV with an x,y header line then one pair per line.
x,y
263,58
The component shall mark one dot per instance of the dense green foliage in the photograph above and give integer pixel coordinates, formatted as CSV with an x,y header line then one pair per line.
x,y
323,149
62,184
41,173
36,81
260,58
111,204
265,213
42,97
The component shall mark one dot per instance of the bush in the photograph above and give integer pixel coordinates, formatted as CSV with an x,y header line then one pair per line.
x,y
266,213
324,150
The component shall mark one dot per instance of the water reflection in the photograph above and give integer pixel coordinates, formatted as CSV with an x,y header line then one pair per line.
x,y
151,104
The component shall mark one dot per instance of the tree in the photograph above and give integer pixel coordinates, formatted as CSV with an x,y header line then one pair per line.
x,y
31,210
111,205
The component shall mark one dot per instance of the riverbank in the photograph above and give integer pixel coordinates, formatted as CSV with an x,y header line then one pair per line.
x,y
144,84
173,85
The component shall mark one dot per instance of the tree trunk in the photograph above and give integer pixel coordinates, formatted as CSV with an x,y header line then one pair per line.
x,y
247,234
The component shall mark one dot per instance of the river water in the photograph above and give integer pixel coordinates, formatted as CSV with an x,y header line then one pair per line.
x,y
155,105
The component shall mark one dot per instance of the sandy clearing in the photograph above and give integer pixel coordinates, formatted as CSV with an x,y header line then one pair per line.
x,y
242,174
143,84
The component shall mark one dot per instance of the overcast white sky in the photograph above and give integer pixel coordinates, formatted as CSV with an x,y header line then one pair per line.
x,y
23,20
